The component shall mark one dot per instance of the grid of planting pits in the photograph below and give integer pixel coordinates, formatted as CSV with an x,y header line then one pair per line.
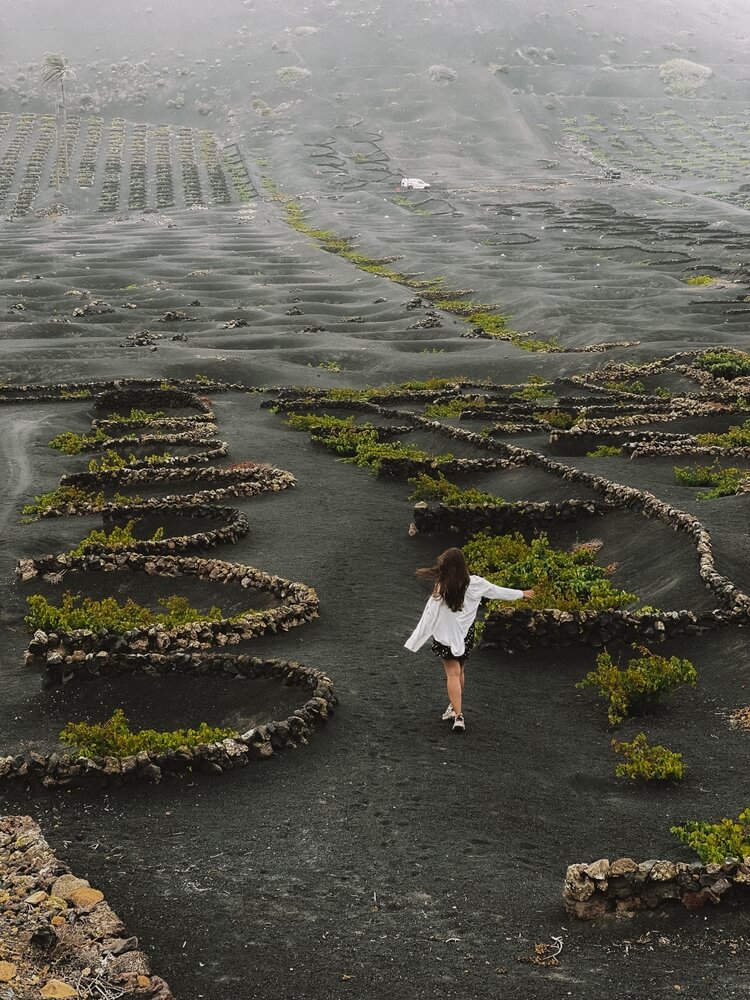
x,y
697,153
114,166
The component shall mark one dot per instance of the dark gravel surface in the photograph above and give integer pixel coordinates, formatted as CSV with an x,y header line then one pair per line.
x,y
388,858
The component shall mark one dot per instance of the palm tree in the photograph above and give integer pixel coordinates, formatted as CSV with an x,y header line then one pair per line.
x,y
55,71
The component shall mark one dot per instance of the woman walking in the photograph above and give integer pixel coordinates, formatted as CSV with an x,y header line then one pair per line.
x,y
448,618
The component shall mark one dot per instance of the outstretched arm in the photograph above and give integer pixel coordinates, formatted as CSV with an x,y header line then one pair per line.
x,y
496,593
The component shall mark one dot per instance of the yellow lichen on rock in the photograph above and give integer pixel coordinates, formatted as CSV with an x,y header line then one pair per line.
x,y
56,989
86,898
7,971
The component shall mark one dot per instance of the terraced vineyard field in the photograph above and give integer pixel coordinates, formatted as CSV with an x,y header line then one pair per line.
x,y
702,152
114,166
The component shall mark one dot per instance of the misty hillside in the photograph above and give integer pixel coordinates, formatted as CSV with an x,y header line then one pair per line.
x,y
500,83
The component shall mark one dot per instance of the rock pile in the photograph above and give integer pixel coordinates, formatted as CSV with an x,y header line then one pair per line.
x,y
59,936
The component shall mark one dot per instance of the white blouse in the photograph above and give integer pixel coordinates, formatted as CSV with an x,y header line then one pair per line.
x,y
450,627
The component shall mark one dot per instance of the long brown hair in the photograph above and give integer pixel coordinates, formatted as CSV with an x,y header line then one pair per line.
x,y
450,575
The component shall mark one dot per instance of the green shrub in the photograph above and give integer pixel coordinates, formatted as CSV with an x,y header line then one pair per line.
x,y
340,434
724,364
700,279
75,394
468,309
357,443
111,461
114,738
456,406
136,417
640,685
735,437
715,842
568,580
651,763
440,490
604,451
63,496
70,443
109,614
723,482
557,418
426,384
632,387
395,389
537,388
372,453
120,537
534,345
73,496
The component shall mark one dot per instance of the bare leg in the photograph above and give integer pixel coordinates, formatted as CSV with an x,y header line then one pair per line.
x,y
453,683
463,678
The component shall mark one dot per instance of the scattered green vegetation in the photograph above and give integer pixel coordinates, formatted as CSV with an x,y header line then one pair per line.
x,y
604,451
358,443
724,364
438,489
478,314
74,497
136,417
63,496
456,406
402,202
568,580
372,454
723,482
735,437
111,461
640,685
75,394
648,762
70,443
88,613
535,345
715,842
536,389
114,738
120,537
633,387
700,279
331,366
470,309
561,419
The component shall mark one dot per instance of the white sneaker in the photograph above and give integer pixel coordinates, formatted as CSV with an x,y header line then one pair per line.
x,y
459,725
448,714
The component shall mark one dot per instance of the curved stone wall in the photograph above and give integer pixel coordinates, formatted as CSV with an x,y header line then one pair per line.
x,y
520,628
83,653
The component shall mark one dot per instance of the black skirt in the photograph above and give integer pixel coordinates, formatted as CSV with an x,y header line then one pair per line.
x,y
444,652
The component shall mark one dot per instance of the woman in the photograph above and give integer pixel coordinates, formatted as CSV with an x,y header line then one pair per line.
x,y
448,619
